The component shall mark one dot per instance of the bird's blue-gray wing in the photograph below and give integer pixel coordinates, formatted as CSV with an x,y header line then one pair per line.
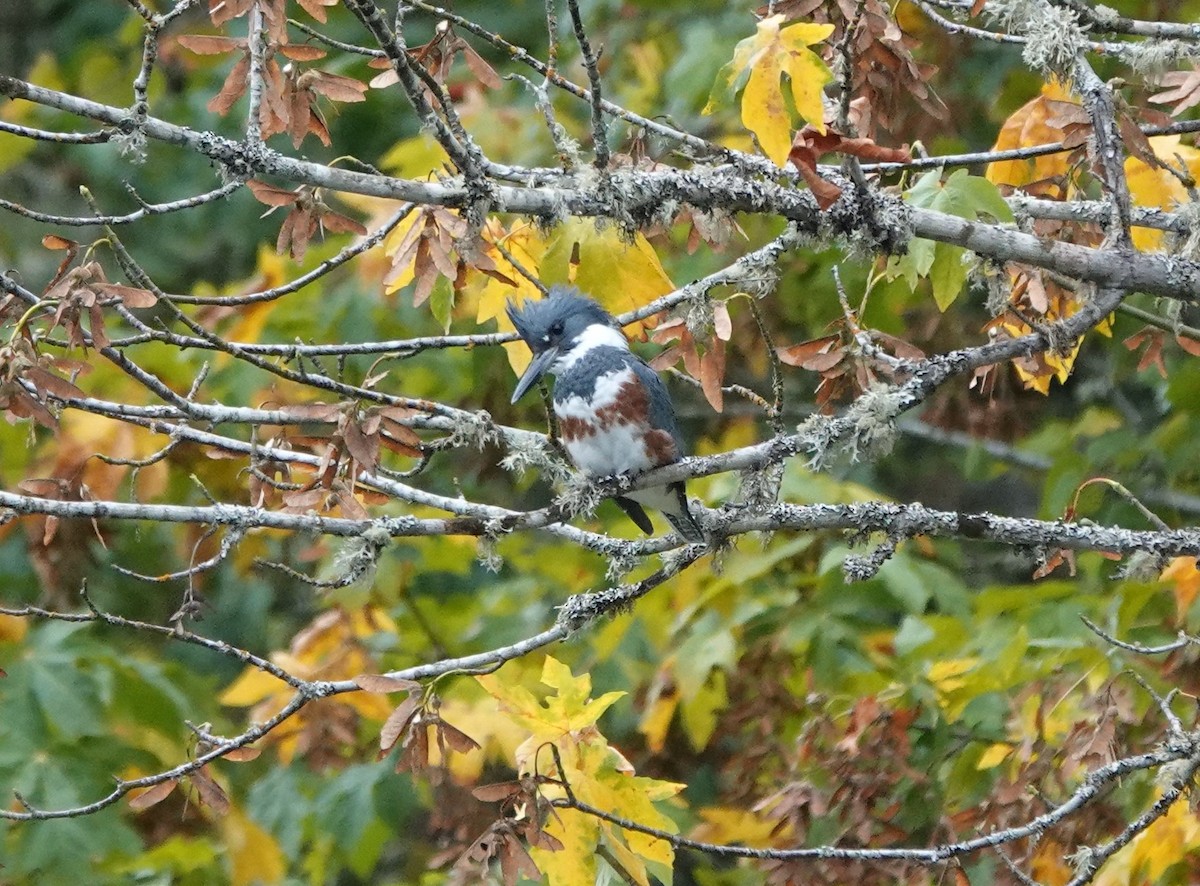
x,y
662,412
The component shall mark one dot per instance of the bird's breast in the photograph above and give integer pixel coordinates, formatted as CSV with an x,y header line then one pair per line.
x,y
610,432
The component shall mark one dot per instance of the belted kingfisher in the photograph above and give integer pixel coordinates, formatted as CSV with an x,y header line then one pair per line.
x,y
614,413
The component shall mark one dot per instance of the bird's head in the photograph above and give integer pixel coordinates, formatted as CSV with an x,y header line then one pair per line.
x,y
559,327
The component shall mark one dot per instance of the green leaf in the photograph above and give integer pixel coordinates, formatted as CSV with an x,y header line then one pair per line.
x,y
963,195
948,274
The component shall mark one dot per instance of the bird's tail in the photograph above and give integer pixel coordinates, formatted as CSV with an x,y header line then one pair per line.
x,y
672,501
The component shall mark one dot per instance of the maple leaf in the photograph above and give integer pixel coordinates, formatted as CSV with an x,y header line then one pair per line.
x,y
760,63
966,196
330,647
810,144
1153,184
1035,122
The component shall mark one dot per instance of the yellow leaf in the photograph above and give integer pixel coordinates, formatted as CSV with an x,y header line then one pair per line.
x,y
498,736
948,674
730,824
526,247
1181,572
414,157
808,74
1170,840
701,709
570,709
1048,864
656,720
251,688
1154,187
621,275
12,629
576,862
994,756
1025,127
254,856
626,858
763,110
768,56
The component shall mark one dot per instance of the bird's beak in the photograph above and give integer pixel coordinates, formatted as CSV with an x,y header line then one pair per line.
x,y
536,370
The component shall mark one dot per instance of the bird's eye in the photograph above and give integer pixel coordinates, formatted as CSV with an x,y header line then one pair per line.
x,y
556,328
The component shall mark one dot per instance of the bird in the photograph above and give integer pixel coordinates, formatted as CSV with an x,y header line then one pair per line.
x,y
614,414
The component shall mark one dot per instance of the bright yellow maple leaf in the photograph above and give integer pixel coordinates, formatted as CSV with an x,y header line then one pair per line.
x,y
731,824
570,709
597,773
1154,186
621,274
994,755
763,60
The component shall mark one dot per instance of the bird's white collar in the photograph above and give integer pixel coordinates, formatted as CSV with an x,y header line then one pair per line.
x,y
595,336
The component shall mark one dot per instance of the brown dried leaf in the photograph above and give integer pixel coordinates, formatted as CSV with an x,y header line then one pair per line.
x,y
302,52
207,44
53,241
363,447
316,8
1153,339
712,374
351,507
222,11
799,354
1054,560
483,72
498,792
456,738
383,683
398,721
233,87
131,296
153,795
271,195
1184,91
340,224
415,755
516,862
1188,344
211,794
337,87
722,323
241,755
299,113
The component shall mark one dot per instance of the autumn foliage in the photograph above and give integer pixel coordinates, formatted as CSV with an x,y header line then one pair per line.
x,y
290,592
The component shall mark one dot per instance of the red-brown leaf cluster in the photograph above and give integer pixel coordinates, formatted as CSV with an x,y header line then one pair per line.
x,y
437,57
845,367
307,215
290,94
